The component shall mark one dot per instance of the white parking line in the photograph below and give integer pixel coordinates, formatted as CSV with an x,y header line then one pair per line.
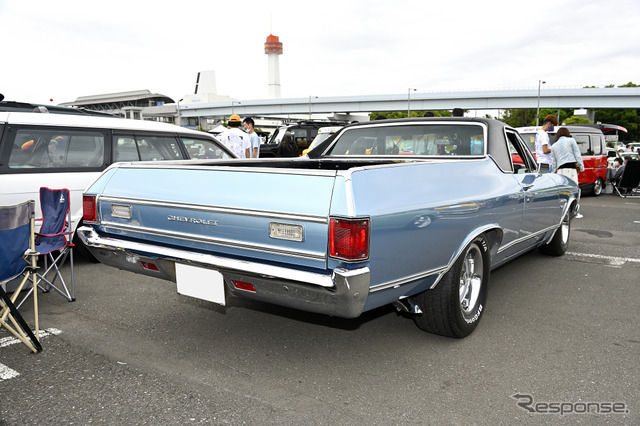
x,y
7,341
7,373
617,261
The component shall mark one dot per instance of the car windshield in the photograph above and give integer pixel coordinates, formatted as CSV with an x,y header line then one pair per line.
x,y
411,139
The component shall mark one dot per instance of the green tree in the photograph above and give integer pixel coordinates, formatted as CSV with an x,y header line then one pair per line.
x,y
403,114
576,120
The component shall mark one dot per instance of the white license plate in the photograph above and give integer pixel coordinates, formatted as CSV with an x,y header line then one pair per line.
x,y
200,283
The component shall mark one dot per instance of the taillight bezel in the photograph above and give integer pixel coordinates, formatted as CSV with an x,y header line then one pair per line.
x,y
359,249
90,204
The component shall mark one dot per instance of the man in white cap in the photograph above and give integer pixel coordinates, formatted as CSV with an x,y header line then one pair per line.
x,y
235,139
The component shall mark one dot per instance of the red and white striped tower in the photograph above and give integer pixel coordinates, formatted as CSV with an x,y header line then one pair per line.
x,y
273,48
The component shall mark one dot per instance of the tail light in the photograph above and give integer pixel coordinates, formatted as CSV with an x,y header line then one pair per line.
x,y
89,210
349,238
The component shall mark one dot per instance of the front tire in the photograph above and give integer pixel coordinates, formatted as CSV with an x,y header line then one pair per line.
x,y
455,306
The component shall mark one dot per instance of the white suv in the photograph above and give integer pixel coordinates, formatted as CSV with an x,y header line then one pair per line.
x,y
59,150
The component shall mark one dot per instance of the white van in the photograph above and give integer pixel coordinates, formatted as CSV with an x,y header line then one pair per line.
x,y
58,150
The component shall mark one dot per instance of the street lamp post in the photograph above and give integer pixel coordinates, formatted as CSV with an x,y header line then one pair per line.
x,y
179,116
409,101
310,97
540,82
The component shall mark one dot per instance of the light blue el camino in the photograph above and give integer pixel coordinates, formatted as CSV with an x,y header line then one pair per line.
x,y
413,213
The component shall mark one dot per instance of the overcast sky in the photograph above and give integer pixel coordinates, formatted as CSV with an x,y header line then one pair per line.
x,y
62,49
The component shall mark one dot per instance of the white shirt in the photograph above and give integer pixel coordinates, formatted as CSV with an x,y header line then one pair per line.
x,y
236,140
255,143
542,138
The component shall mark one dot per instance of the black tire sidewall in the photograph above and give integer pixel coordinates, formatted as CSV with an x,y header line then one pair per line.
x,y
465,324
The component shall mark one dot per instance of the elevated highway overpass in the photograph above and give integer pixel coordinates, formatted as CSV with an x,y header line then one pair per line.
x,y
601,98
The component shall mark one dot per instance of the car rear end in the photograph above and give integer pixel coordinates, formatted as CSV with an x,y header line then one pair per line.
x,y
231,230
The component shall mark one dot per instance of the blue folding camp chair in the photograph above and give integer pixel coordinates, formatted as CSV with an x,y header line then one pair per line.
x,y
55,237
53,242
18,257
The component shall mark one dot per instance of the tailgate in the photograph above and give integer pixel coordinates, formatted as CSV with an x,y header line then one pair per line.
x,y
269,215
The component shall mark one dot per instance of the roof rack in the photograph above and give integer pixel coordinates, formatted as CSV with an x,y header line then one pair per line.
x,y
13,106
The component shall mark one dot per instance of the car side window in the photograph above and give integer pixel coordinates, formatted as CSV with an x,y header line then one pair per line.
x,y
583,144
156,148
57,148
203,148
124,149
521,158
145,148
597,144
300,136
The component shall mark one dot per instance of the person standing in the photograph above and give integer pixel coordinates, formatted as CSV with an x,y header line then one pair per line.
x,y
235,139
542,144
248,124
565,155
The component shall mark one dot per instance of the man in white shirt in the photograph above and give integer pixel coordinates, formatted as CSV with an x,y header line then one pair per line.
x,y
543,146
235,139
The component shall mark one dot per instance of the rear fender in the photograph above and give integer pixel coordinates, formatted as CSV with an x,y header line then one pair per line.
x,y
493,235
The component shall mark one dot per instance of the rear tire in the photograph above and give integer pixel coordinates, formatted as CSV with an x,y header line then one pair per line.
x,y
598,185
560,241
455,306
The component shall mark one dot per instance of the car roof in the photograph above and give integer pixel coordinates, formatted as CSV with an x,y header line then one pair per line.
x,y
13,106
66,120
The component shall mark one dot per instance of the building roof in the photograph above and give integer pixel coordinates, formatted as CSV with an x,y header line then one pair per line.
x,y
119,97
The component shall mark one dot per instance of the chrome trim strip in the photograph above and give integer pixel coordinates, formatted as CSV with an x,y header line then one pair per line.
x,y
527,237
219,209
351,202
90,237
261,248
408,279
231,167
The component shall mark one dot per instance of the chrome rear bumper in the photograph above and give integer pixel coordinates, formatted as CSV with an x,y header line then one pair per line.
x,y
342,293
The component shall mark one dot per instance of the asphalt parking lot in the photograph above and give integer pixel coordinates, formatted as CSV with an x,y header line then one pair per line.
x,y
560,336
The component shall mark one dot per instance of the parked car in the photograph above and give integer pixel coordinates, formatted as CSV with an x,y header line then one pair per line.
x,y
323,134
70,150
635,147
302,133
594,152
369,225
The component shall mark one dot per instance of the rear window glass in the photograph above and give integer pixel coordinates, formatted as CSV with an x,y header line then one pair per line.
x,y
51,149
430,140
